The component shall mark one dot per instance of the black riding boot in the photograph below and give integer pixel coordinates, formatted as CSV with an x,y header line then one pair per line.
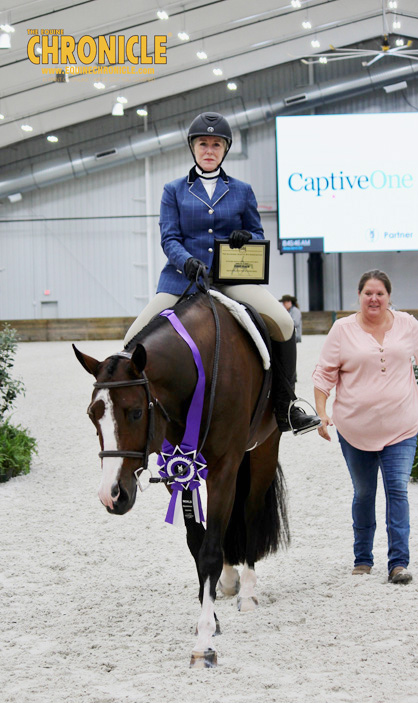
x,y
283,390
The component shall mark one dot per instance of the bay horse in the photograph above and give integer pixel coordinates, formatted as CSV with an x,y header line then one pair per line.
x,y
141,397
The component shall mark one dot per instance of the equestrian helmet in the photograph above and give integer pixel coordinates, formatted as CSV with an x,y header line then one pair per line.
x,y
212,124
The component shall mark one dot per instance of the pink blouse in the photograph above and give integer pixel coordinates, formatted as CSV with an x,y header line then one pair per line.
x,y
376,401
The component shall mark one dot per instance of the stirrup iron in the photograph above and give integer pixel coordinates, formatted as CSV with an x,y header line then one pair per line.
x,y
298,433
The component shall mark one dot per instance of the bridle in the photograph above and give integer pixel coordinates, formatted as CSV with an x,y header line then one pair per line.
x,y
152,404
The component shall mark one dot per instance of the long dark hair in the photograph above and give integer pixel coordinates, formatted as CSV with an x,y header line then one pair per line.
x,y
379,276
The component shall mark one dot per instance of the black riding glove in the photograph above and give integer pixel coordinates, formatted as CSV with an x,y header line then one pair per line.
x,y
192,266
238,238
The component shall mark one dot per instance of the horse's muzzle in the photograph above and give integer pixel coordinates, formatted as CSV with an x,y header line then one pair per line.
x,y
122,502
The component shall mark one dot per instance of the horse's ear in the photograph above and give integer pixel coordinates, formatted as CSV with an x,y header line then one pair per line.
x,y
91,365
139,358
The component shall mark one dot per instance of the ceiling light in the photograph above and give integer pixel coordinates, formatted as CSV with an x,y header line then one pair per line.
x,y
15,197
99,85
323,59
162,15
1,116
117,110
52,138
396,24
7,28
399,42
262,43
26,128
392,4
231,85
218,71
202,55
306,25
183,36
315,43
5,42
120,99
395,86
142,112
295,4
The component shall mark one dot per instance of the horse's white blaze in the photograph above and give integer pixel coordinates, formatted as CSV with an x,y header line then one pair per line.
x,y
111,466
248,582
206,625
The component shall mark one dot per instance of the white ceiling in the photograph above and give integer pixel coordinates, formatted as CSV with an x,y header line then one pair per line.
x,y
238,36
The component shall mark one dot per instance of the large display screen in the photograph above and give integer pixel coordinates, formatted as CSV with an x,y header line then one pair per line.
x,y
347,183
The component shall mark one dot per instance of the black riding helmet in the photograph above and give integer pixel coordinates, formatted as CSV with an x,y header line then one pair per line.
x,y
212,124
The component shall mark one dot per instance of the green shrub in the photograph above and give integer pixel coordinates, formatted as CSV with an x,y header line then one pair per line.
x,y
16,445
9,387
16,448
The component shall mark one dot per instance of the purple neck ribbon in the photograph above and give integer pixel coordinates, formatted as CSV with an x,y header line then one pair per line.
x,y
183,466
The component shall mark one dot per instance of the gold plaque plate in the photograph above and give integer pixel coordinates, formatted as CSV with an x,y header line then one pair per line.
x,y
250,264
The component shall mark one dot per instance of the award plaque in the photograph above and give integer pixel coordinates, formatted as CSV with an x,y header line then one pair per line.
x,y
250,264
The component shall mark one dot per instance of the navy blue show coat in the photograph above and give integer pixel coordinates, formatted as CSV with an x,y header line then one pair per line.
x,y
190,221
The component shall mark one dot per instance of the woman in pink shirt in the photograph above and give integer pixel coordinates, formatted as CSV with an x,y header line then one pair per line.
x,y
367,357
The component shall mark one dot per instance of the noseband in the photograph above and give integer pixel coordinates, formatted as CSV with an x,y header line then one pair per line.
x,y
127,454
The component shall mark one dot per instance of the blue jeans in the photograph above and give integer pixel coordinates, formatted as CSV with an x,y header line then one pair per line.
x,y
395,462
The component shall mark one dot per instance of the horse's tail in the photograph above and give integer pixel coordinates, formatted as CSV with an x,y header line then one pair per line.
x,y
272,521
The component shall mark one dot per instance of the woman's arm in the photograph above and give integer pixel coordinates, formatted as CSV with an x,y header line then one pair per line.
x,y
251,221
320,404
172,239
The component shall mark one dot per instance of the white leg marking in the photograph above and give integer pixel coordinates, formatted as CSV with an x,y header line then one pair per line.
x,y
228,583
247,599
111,466
206,625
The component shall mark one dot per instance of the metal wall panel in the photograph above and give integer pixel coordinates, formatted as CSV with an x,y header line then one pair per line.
x,y
77,249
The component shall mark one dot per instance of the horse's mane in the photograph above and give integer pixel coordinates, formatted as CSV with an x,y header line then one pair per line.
x,y
157,321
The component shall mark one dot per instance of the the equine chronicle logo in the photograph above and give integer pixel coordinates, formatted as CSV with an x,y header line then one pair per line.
x,y
53,46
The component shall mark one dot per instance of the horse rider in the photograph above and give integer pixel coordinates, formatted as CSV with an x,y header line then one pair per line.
x,y
194,210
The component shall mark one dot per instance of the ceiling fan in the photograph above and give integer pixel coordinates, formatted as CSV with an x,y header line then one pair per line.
x,y
386,49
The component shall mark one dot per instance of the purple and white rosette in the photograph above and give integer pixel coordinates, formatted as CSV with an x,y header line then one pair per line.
x,y
183,469
182,466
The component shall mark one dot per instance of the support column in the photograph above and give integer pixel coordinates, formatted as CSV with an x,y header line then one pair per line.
x,y
316,281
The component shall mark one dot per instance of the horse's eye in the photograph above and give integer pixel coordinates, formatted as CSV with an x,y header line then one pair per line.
x,y
135,414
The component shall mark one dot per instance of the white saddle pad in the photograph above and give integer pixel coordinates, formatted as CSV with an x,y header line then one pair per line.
x,y
242,316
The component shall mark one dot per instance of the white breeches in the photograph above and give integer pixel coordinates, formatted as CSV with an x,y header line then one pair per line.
x,y
278,321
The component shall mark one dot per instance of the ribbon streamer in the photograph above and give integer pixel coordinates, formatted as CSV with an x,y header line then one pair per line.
x,y
183,466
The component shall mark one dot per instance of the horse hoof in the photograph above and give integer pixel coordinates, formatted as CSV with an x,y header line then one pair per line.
x,y
204,660
230,586
247,605
229,590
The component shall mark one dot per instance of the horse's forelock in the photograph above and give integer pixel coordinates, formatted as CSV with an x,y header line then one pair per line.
x,y
112,365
